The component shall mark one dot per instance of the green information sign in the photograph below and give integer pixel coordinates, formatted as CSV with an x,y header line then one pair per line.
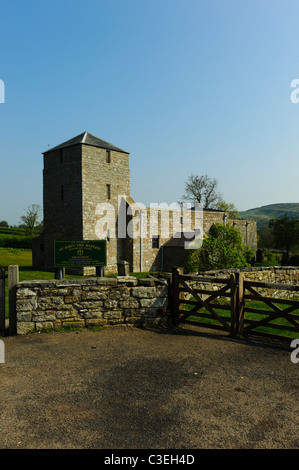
x,y
75,254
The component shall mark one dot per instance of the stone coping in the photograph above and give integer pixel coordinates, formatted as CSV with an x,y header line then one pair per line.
x,y
102,281
248,270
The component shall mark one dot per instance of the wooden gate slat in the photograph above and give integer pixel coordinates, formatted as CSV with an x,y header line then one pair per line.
x,y
257,294
239,291
206,305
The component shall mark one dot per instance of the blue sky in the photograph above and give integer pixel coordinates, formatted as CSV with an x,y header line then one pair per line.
x,y
193,86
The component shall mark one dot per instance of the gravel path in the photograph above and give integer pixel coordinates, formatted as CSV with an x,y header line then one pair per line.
x,y
125,388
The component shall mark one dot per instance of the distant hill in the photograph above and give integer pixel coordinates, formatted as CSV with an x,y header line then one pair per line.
x,y
263,214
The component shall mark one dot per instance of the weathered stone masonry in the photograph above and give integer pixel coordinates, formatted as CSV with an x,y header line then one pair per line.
x,y
88,302
272,275
86,172
121,300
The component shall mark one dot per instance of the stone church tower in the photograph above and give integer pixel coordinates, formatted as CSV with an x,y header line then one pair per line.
x,y
78,175
86,173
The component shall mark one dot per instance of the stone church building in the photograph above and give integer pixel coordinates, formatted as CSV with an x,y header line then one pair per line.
x,y
86,196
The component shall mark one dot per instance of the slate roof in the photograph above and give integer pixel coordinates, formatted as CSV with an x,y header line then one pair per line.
x,y
87,139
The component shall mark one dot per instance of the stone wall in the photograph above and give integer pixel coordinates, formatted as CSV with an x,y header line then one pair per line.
x,y
166,223
62,196
88,302
274,274
121,300
96,175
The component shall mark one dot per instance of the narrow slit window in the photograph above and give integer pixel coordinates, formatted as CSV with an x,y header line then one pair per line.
x,y
108,189
108,156
155,241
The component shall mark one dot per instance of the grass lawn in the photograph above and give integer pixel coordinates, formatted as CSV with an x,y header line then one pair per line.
x,y
18,256
22,258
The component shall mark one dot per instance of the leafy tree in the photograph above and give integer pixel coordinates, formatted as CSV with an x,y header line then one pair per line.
x,y
265,238
203,190
230,207
3,223
222,249
30,220
285,231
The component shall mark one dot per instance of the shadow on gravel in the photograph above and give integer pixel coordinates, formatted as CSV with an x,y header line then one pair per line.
x,y
256,341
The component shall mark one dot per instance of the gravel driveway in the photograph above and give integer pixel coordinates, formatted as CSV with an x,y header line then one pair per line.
x,y
130,388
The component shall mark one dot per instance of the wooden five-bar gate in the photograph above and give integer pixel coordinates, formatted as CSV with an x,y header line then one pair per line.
x,y
235,305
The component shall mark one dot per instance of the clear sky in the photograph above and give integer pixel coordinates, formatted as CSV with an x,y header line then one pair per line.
x,y
185,86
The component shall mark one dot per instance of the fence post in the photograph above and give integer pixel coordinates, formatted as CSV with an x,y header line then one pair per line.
x,y
60,273
234,304
176,294
240,303
2,302
13,279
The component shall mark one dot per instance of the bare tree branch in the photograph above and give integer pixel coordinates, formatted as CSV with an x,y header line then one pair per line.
x,y
202,189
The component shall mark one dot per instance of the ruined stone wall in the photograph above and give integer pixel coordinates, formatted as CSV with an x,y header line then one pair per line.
x,y
248,231
166,223
89,302
249,234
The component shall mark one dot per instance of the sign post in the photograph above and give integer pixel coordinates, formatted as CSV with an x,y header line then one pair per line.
x,y
78,254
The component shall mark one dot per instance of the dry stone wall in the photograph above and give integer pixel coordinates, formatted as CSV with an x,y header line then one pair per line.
x,y
88,302
273,275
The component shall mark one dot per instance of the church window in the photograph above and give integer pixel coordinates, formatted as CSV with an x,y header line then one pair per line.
x,y
155,241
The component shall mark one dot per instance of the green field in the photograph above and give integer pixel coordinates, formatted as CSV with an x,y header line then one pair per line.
x,y
10,256
22,258
14,238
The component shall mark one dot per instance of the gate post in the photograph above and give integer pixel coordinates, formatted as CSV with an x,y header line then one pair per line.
x,y
240,303
234,304
176,294
2,302
13,279
237,303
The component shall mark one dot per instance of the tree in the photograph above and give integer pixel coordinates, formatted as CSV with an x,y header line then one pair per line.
x,y
285,231
265,238
221,249
203,190
3,223
229,207
30,220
